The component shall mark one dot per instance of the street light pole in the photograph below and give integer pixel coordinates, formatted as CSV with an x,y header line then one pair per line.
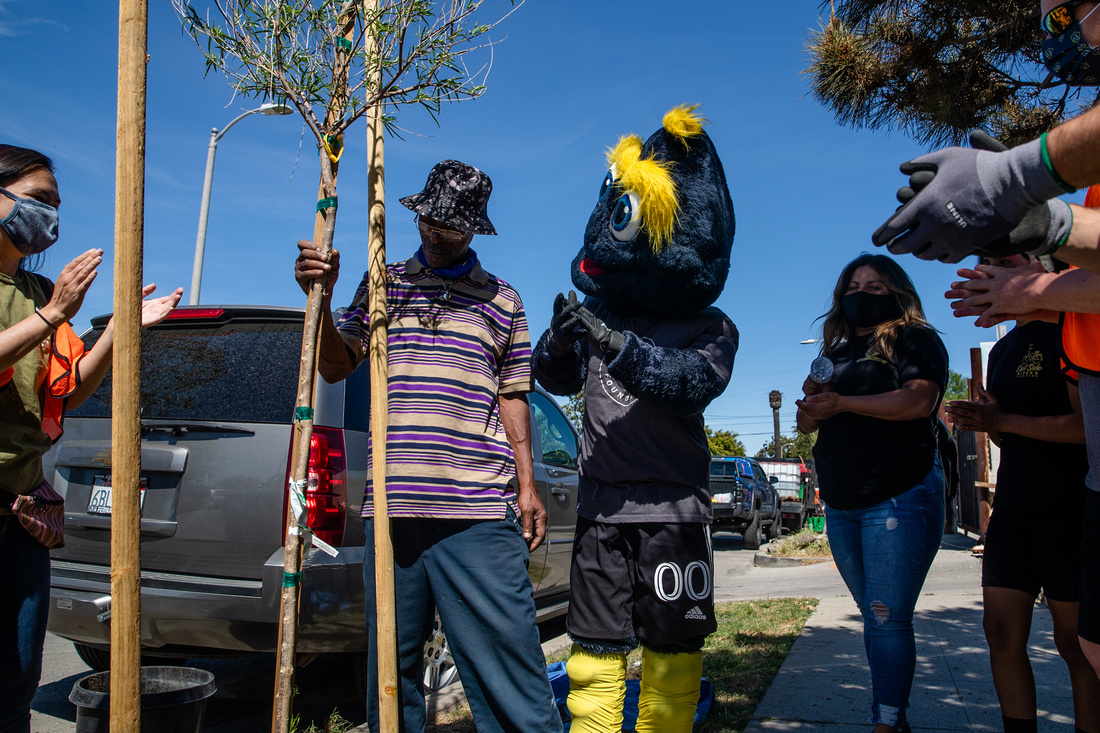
x,y
267,108
775,399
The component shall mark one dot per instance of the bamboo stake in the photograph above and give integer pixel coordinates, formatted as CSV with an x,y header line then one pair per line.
x,y
323,228
385,610
126,363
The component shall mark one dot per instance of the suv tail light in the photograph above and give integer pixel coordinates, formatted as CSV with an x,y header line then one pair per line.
x,y
196,313
326,485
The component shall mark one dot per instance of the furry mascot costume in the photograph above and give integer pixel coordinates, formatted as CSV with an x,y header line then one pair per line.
x,y
650,354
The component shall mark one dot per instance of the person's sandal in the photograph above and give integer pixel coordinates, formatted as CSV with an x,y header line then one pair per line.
x,y
979,548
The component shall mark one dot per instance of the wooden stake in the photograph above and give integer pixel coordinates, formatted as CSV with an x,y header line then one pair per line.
x,y
981,443
386,612
323,230
126,389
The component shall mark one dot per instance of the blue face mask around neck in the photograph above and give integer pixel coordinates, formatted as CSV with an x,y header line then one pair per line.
x,y
1070,57
31,225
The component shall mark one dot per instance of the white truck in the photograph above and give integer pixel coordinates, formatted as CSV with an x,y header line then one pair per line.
x,y
795,483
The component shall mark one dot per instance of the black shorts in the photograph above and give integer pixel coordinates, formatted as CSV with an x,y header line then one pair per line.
x,y
650,582
1029,551
1088,615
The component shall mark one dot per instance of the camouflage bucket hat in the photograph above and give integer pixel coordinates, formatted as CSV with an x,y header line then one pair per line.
x,y
456,195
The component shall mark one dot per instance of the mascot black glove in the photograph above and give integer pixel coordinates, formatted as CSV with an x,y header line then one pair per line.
x,y
610,341
960,200
562,335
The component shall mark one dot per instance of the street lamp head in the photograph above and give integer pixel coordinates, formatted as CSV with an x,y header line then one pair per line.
x,y
775,399
276,108
811,341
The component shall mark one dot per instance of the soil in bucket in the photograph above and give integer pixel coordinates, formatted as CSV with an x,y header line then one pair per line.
x,y
173,700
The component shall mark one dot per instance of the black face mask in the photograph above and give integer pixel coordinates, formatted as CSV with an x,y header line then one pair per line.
x,y
864,310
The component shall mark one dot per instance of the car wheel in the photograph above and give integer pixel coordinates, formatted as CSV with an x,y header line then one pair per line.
x,y
439,665
97,659
775,529
100,659
752,531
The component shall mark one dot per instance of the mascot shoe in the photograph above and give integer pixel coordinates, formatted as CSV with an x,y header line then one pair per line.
x,y
670,692
597,690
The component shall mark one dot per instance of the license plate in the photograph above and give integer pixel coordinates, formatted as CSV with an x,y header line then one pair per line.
x,y
100,501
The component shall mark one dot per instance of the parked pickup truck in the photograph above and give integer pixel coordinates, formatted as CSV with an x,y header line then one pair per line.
x,y
795,482
743,500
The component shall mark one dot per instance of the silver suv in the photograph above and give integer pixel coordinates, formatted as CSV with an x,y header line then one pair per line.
x,y
218,393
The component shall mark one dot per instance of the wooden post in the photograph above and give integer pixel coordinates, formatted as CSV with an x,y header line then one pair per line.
x,y
323,228
386,612
981,442
126,388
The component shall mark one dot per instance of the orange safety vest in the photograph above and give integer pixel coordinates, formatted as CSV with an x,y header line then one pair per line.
x,y
1081,331
62,378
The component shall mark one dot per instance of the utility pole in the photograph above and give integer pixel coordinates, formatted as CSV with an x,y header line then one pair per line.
x,y
775,399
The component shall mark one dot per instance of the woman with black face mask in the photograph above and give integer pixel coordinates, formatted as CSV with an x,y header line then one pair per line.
x,y
43,369
878,469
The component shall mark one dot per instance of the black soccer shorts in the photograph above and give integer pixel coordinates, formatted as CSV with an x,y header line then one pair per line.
x,y
652,582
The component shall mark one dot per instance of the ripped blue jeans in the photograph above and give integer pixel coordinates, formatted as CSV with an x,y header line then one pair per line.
x,y
883,553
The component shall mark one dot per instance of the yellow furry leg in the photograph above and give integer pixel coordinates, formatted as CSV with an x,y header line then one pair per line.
x,y
597,688
670,692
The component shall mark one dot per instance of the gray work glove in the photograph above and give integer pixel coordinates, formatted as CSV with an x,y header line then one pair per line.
x,y
562,335
608,340
960,200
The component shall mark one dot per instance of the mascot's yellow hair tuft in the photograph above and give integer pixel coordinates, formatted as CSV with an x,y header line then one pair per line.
x,y
682,122
652,181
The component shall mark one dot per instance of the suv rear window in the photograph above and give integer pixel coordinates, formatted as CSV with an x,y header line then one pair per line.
x,y
235,372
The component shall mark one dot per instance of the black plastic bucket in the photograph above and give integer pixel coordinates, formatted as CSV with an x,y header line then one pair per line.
x,y
173,700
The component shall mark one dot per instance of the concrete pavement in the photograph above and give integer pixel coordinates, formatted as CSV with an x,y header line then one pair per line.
x,y
824,684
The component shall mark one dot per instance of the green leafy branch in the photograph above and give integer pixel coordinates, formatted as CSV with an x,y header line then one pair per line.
x,y
400,52
937,68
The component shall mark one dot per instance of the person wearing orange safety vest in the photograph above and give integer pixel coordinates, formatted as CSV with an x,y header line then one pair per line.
x,y
1081,331
43,369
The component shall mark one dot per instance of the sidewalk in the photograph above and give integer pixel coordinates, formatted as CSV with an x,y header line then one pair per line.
x,y
824,684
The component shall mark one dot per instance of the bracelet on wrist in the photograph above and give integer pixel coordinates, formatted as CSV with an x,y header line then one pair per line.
x,y
45,320
1049,165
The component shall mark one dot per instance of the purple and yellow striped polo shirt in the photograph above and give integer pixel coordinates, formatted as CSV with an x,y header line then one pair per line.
x,y
452,350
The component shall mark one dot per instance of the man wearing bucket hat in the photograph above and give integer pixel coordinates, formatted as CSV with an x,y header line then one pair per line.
x,y
459,429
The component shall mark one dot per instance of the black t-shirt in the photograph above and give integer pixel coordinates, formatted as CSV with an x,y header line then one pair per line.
x,y
1025,377
863,460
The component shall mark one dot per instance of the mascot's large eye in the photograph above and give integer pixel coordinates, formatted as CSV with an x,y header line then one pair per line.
x,y
608,182
626,217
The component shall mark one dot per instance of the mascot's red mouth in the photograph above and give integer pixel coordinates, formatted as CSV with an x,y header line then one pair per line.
x,y
590,268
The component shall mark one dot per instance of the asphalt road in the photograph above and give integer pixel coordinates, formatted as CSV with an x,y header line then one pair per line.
x,y
245,686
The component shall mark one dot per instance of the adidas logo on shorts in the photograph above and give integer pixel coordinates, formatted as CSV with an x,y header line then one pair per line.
x,y
696,614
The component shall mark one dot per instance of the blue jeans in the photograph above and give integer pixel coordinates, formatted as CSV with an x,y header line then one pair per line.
x,y
883,553
24,606
475,574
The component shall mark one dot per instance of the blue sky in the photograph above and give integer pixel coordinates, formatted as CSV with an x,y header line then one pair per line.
x,y
567,80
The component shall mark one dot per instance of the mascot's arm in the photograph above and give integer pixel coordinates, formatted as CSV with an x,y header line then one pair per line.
x,y
560,375
680,381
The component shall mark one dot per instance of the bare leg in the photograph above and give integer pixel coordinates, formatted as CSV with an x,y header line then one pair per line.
x,y
1092,653
1086,686
984,508
1007,621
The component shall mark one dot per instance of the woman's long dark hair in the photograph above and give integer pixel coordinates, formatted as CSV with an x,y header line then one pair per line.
x,y
16,162
836,329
